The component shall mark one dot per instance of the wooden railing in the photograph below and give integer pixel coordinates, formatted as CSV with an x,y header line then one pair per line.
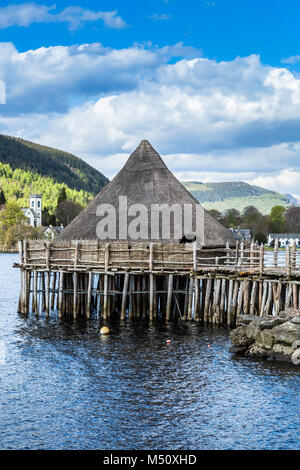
x,y
155,257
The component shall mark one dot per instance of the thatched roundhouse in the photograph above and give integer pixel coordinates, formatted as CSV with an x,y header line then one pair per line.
x,y
146,180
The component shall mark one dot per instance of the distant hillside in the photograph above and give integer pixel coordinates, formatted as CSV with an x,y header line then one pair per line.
x,y
63,167
27,168
237,195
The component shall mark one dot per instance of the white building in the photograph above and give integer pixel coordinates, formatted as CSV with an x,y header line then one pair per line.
x,y
52,232
34,212
284,239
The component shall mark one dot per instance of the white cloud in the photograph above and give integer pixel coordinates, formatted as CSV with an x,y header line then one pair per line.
x,y
160,17
26,14
294,59
211,120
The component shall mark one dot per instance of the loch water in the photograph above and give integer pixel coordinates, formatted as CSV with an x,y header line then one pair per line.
x,y
64,386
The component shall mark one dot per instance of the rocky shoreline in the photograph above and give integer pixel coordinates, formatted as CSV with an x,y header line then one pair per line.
x,y
268,337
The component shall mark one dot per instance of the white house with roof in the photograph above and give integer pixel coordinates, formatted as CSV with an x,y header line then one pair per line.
x,y
52,232
34,211
284,239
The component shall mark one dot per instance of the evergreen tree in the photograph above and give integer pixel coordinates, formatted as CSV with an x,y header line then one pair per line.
x,y
2,198
62,196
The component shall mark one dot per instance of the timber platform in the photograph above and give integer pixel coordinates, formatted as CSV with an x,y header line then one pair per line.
x,y
143,280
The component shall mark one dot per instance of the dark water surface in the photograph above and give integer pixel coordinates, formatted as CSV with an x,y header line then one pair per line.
x,y
64,386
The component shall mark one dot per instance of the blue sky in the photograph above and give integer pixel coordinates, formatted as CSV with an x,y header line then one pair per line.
x,y
213,84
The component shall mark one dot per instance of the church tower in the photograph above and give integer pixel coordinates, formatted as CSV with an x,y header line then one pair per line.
x,y
36,206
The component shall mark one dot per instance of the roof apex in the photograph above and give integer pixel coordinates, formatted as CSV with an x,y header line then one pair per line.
x,y
144,158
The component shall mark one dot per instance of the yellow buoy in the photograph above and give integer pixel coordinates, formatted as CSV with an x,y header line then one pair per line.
x,y
104,330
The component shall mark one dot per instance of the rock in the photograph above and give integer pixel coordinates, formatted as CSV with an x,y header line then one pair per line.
x,y
270,323
239,350
286,333
252,330
247,319
290,313
265,339
269,337
281,350
239,337
257,351
296,344
296,357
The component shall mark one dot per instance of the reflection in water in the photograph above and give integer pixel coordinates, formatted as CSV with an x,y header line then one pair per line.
x,y
65,386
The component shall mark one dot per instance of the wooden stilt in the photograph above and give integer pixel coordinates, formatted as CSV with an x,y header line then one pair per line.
x,y
61,294
190,299
197,300
169,299
105,297
75,289
47,293
89,295
124,296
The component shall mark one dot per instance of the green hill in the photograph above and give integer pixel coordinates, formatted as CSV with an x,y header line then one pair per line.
x,y
26,167
237,195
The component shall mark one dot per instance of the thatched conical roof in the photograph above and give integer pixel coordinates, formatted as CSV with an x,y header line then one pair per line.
x,y
146,180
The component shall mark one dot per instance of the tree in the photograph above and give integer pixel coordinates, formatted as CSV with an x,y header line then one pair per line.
x,y
277,219
215,214
293,219
66,211
62,196
11,215
2,198
232,218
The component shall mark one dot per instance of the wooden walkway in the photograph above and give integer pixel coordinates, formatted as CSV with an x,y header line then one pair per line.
x,y
156,280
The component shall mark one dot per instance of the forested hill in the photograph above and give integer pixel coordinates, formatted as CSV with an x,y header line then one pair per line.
x,y
61,166
237,195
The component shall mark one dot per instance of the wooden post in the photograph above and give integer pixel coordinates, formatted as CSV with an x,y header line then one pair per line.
x,y
246,297
76,254
124,296
276,253
242,253
227,254
89,295
295,296
229,305
261,258
253,298
240,298
169,298
252,254
264,298
288,297
53,291
106,257
236,253
294,254
197,300
151,282
138,297
61,294
207,300
42,288
47,293
35,300
216,302
25,252
75,287
20,248
288,260
105,297
190,301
